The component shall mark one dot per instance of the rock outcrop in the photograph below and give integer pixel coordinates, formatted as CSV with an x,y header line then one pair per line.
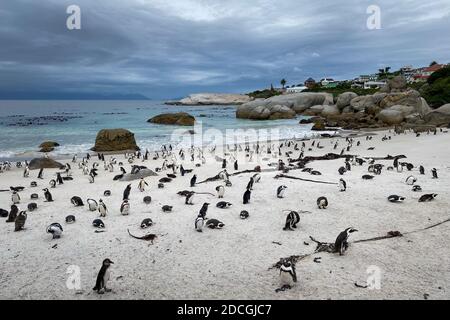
x,y
269,112
44,163
48,146
344,99
143,173
114,140
212,99
177,119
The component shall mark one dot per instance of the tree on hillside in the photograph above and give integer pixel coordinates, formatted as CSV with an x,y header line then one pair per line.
x,y
433,63
283,82
271,87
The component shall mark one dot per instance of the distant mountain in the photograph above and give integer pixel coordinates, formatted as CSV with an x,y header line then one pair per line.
x,y
69,96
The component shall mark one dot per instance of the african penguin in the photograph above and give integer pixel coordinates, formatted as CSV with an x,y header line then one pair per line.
x,y
125,208
342,185
20,221
394,198
427,197
76,201
220,191
280,191
103,277
341,243
291,220
322,202
223,205
55,229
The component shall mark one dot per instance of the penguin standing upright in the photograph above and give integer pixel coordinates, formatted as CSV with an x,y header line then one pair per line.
x,y
15,197
250,184
20,221
52,183
220,191
421,170
189,198
246,196
280,191
125,208
59,178
26,172
288,275
102,208
142,184
224,163
236,165
204,210
48,196
12,213
126,192
434,173
103,277
341,243
342,185
193,180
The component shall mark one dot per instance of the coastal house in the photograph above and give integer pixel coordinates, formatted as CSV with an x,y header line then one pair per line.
x,y
326,81
310,83
423,74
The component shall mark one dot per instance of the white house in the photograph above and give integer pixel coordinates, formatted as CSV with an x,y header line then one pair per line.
x,y
374,84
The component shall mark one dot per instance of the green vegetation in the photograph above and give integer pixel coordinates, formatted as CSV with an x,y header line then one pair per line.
x,y
264,94
341,88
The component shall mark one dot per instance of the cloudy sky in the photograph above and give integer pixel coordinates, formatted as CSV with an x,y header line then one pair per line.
x,y
167,49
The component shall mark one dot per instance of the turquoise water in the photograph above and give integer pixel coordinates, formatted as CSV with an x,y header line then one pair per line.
x,y
74,124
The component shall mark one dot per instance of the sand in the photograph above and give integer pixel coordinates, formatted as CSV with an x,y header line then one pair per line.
x,y
233,263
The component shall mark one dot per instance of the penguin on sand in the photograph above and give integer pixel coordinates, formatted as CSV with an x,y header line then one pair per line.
x,y
220,191
92,204
434,173
20,221
280,191
103,277
193,180
189,198
204,210
342,185
142,184
246,197
126,192
13,213
199,223
15,197
48,196
125,208
341,243
55,229
102,208
288,275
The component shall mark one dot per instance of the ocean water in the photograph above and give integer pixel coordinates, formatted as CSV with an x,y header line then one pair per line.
x,y
74,125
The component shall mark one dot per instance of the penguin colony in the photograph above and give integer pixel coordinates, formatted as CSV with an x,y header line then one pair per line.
x,y
181,165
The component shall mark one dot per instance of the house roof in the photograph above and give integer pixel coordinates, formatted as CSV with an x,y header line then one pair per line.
x,y
434,68
310,80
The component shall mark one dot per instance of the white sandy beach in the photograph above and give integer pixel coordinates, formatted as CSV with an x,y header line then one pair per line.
x,y
233,263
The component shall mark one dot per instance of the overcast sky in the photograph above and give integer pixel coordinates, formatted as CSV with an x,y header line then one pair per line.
x,y
167,49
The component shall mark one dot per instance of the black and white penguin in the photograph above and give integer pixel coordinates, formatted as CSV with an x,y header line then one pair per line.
x,y
92,204
126,192
13,213
33,184
367,177
214,224
291,220
244,214
341,243
98,223
322,202
189,198
427,197
3,213
34,196
193,180
102,209
167,208
147,222
19,222
220,191
288,275
15,197
107,193
224,163
256,177
32,206
147,199
417,188
421,170
142,184
103,277
70,219
236,165
342,170
411,180
26,172
434,173
246,197
199,222
59,179
280,191
125,208
395,199
250,184
223,205
204,209
342,185
55,229
48,196
76,201
52,183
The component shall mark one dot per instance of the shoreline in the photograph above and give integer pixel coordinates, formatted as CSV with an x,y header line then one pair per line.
x,y
234,261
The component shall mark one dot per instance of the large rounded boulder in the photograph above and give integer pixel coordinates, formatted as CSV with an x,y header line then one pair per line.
x,y
44,163
254,111
48,146
115,140
344,99
177,119
391,117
